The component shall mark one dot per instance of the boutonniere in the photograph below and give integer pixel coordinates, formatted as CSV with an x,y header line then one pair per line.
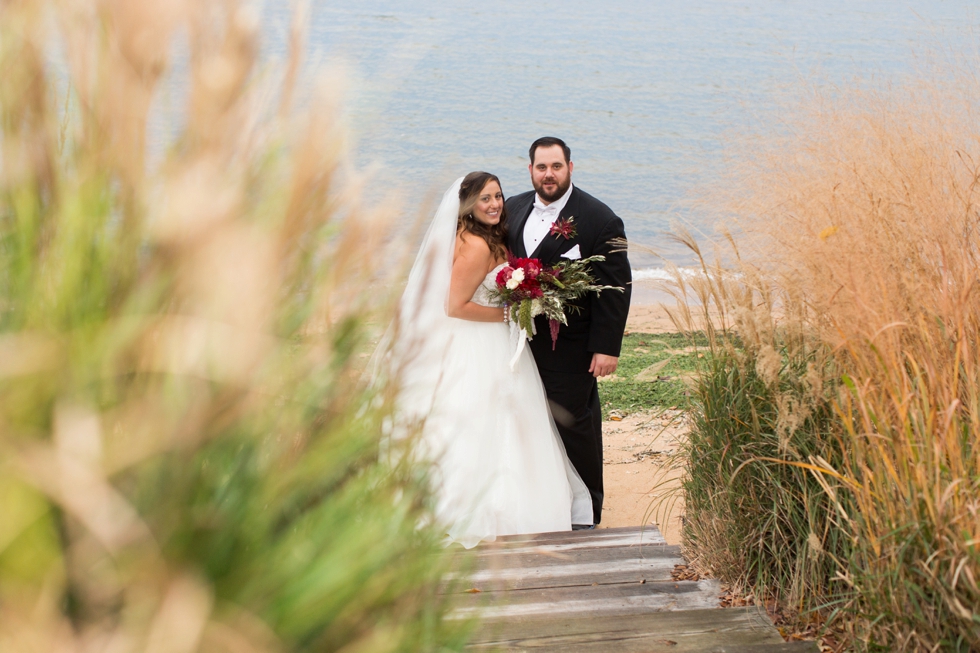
x,y
564,228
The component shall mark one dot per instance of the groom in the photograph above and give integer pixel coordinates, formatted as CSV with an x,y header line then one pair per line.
x,y
556,221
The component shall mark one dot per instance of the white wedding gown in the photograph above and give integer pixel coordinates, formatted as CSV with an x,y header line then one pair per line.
x,y
501,468
499,464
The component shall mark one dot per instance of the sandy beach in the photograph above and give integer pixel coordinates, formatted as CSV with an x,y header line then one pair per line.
x,y
641,484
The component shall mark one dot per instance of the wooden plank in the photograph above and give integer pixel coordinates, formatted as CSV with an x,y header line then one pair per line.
x,y
781,647
733,629
601,566
653,643
521,558
633,598
596,533
575,575
563,547
709,620
578,539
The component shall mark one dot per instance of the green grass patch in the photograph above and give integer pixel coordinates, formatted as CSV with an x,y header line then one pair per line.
x,y
652,373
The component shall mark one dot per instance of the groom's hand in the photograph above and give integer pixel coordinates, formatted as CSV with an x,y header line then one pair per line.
x,y
603,365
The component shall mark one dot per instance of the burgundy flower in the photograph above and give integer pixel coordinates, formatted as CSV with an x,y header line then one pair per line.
x,y
532,269
564,228
531,266
532,290
504,275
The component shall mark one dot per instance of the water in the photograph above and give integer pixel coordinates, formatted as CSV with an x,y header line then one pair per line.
x,y
645,93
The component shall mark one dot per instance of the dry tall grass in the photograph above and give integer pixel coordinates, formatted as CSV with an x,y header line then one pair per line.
x,y
186,460
860,236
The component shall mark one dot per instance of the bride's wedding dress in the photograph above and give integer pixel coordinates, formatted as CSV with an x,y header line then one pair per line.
x,y
500,467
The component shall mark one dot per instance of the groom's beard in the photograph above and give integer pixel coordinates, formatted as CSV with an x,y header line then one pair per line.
x,y
560,189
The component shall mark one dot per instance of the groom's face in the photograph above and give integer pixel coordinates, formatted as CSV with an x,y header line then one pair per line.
x,y
551,175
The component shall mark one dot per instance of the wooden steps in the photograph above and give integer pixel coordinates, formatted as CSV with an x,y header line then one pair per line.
x,y
732,630
598,591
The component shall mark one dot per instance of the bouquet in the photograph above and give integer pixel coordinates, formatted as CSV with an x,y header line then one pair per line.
x,y
526,289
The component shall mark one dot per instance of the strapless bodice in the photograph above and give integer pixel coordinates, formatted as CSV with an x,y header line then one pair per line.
x,y
482,294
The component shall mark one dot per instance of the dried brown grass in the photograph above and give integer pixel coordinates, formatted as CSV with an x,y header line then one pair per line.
x,y
858,226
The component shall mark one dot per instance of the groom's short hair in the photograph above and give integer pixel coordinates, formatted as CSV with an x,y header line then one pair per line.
x,y
548,141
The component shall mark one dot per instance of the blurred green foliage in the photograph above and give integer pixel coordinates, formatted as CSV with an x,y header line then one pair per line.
x,y
190,454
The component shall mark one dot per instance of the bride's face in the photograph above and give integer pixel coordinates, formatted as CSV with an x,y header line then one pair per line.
x,y
489,204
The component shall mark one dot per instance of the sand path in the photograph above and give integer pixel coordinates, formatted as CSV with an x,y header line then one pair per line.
x,y
641,480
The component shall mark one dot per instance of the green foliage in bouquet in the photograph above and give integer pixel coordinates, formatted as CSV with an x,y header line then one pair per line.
x,y
529,289
189,460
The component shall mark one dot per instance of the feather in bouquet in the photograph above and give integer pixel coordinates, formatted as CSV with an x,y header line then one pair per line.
x,y
526,289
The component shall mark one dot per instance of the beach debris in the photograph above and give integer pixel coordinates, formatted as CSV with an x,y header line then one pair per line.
x,y
651,373
684,572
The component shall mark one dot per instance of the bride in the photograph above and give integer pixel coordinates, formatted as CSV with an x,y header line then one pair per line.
x,y
499,464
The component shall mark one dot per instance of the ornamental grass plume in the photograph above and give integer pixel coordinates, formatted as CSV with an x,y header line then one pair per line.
x,y
188,457
859,234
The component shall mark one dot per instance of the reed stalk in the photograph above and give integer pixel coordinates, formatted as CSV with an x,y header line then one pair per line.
x,y
852,400
189,458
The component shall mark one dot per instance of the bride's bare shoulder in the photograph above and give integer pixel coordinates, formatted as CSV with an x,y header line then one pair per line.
x,y
471,246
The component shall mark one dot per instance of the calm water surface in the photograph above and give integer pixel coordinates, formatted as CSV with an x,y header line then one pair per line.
x,y
645,93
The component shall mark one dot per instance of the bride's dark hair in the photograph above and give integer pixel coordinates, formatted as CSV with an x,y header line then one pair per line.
x,y
494,235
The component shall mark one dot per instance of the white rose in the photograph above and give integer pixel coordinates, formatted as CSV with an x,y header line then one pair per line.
x,y
515,279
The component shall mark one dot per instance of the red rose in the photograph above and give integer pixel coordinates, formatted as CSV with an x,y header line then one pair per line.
x,y
504,275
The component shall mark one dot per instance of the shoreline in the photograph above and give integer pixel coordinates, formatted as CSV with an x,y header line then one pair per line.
x,y
649,304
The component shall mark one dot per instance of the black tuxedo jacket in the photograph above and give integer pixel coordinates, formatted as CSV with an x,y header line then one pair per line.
x,y
598,327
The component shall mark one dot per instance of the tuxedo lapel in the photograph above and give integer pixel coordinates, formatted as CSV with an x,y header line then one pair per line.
x,y
547,250
523,212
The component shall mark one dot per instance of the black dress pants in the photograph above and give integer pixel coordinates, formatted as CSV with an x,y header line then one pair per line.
x,y
574,399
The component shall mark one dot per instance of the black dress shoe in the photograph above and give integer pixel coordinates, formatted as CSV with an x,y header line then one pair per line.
x,y
583,527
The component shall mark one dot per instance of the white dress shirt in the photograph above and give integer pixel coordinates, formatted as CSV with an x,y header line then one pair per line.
x,y
542,217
